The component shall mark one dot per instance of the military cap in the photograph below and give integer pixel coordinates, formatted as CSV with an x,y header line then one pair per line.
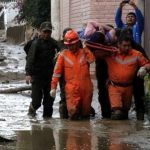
x,y
46,26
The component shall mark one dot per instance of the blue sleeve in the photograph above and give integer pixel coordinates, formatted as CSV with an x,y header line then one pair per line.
x,y
140,20
118,19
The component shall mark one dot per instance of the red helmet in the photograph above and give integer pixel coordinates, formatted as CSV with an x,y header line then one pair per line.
x,y
71,37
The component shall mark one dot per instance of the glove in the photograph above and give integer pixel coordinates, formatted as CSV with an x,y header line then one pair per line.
x,y
28,79
142,72
53,93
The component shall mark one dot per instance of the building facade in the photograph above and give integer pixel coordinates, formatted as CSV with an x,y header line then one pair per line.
x,y
74,13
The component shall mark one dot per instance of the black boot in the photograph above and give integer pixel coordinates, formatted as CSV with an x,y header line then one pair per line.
x,y
117,115
47,112
31,111
63,110
139,115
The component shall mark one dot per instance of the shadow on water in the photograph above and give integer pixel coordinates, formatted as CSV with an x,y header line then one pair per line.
x,y
56,134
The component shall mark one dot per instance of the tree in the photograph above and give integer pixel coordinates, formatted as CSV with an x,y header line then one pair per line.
x,y
34,11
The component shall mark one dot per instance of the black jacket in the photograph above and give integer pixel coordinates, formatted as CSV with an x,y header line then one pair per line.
x,y
40,59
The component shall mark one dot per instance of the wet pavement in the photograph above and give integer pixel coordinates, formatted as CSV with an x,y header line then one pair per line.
x,y
57,134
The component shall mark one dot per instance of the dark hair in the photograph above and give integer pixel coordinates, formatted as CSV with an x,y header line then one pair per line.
x,y
65,30
127,32
131,13
98,37
118,32
124,38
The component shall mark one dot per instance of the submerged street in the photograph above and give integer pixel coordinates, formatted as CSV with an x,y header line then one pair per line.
x,y
56,134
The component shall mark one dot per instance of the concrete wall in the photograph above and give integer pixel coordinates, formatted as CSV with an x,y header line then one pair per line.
x,y
16,34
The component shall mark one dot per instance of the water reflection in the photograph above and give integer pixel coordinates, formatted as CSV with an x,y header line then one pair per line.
x,y
76,136
39,138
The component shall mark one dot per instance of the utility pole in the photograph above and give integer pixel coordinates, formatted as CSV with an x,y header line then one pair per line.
x,y
55,18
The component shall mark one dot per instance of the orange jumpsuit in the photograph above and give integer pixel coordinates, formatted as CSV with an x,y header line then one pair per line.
x,y
121,70
78,85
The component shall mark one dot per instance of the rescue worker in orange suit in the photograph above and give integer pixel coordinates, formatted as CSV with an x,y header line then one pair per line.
x,y
62,104
74,64
138,83
122,68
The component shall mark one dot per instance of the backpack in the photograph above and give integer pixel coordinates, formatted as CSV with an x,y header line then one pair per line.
x,y
27,46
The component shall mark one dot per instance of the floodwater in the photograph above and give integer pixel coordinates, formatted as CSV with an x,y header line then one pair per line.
x,y
57,134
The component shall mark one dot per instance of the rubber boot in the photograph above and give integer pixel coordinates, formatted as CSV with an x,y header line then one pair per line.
x,y
31,111
117,115
63,110
140,115
124,115
75,113
47,112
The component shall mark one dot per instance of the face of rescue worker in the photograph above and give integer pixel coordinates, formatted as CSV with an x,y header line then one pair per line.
x,y
45,34
124,46
73,47
130,20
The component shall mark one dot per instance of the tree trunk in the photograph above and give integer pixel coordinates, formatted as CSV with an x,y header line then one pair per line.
x,y
15,89
2,139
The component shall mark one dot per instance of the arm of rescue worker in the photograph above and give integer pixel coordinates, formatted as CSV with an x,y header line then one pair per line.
x,y
103,54
118,19
89,55
139,17
57,71
143,62
144,65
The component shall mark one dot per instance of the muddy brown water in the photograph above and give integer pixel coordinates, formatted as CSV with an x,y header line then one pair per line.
x,y
57,134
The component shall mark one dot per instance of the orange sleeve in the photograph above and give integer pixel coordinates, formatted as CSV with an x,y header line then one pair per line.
x,y
57,71
89,55
142,61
